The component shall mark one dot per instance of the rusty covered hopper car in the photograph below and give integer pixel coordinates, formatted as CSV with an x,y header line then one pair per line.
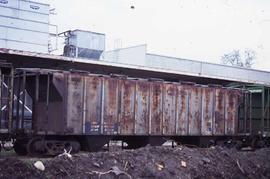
x,y
86,110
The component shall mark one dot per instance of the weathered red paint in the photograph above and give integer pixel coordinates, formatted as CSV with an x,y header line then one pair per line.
x,y
194,115
169,109
127,106
142,108
231,111
207,110
182,110
156,108
137,107
93,104
219,115
111,97
75,103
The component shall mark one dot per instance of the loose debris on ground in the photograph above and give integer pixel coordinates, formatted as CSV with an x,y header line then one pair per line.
x,y
147,162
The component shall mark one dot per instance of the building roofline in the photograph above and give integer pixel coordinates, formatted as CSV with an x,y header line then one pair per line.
x,y
10,52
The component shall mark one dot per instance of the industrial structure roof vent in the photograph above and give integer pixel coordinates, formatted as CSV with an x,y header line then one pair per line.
x,y
84,44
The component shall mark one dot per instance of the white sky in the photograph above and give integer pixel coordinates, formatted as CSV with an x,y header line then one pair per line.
x,y
192,29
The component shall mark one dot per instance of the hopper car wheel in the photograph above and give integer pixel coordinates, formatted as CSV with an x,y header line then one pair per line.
x,y
20,147
239,145
261,144
55,147
35,147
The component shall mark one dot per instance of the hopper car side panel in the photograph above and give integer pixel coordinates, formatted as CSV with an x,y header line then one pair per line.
x,y
110,103
194,114
219,113
182,110
169,108
103,105
156,108
75,100
93,106
207,111
127,106
142,108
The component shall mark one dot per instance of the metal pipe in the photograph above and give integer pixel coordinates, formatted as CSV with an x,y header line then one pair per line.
x,y
119,109
163,104
188,109
102,105
18,103
149,109
268,109
213,112
224,111
250,113
245,113
201,111
135,106
262,117
176,109
84,104
23,100
47,102
36,99
10,91
1,86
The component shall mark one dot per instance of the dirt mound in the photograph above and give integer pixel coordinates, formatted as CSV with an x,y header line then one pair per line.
x,y
148,162
14,168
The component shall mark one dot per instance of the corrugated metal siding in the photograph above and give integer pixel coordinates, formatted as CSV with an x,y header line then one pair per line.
x,y
93,91
88,40
142,108
119,106
127,113
111,103
24,25
75,103
169,109
231,112
194,114
219,106
207,110
156,108
183,110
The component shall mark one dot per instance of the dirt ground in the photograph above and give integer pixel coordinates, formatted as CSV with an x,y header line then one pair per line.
x,y
148,162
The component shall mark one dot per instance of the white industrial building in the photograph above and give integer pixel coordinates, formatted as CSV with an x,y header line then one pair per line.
x,y
25,25
138,56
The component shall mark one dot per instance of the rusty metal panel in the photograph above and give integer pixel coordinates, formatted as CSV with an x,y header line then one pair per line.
x,y
75,103
194,114
110,104
56,124
93,92
60,81
40,108
55,121
142,107
127,114
182,109
207,110
219,112
169,109
231,111
156,108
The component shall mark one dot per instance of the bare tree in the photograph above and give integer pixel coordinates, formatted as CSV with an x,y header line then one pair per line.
x,y
236,58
